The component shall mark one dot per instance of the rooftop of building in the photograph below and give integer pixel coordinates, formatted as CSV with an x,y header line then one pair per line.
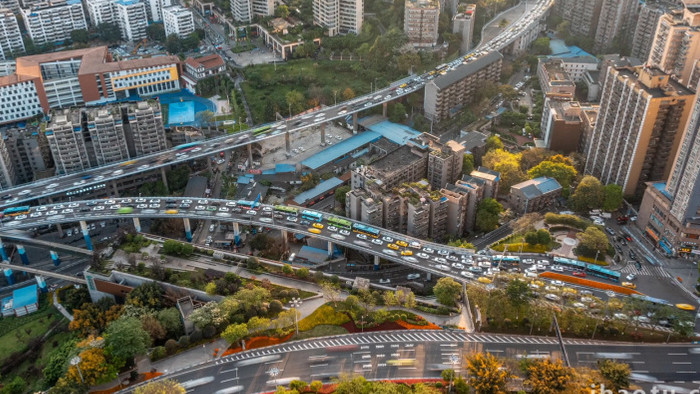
x,y
580,59
24,296
320,189
127,3
208,62
422,4
176,9
486,173
464,70
671,88
622,61
661,187
561,50
394,132
533,188
93,60
569,111
472,139
555,71
386,145
340,149
399,158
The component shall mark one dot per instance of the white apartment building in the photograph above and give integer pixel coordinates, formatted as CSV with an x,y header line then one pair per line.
x,y
18,99
52,22
145,125
154,8
178,20
245,10
100,11
131,17
578,65
12,5
67,143
107,135
8,177
339,16
10,36
420,22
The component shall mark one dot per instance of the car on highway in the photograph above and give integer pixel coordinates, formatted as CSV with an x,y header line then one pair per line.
x,y
423,256
412,276
344,232
443,267
332,228
580,274
318,226
552,297
377,241
631,277
387,239
458,266
428,250
314,230
475,269
629,285
361,236
402,243
467,274
443,252
171,211
292,219
386,251
125,210
685,307
485,280
406,252
384,281
391,246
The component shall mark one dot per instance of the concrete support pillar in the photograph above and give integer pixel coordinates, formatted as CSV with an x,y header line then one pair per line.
x,y
208,159
354,123
3,252
330,249
287,143
164,179
376,263
115,189
236,233
188,229
137,225
323,134
285,234
86,234
9,276
384,106
54,257
59,228
22,254
250,154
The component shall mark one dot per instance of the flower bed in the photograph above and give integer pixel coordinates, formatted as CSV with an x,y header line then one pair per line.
x,y
589,283
257,342
389,325
142,378
409,326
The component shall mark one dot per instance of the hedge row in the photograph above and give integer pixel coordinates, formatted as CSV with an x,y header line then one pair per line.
x,y
592,261
568,220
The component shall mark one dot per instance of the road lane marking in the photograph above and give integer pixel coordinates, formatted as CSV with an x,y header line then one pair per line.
x,y
692,372
494,350
677,354
318,365
681,362
229,370
228,380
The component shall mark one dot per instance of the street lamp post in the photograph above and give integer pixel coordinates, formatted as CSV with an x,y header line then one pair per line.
x,y
75,361
295,303
363,323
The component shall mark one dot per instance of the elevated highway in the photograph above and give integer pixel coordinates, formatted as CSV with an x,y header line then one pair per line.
x,y
102,176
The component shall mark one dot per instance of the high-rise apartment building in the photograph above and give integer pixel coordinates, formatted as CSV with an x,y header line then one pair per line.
x,y
463,197
131,17
420,22
52,22
178,20
463,26
339,16
8,176
638,129
144,129
10,37
100,11
12,5
676,47
445,95
29,153
245,10
616,22
645,31
445,164
67,142
670,212
106,130
154,9
582,15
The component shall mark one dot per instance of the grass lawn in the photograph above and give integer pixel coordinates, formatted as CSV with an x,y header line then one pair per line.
x,y
321,331
17,331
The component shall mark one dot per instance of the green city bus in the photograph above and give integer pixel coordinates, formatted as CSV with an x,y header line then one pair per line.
x,y
340,223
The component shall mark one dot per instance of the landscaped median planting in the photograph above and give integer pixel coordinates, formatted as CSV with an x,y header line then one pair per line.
x,y
588,282
257,342
324,315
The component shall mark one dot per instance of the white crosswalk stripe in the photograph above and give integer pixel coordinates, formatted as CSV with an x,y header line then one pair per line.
x,y
646,270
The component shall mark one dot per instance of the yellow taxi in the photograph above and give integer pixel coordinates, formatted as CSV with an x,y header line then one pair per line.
x,y
569,290
393,246
406,253
485,280
318,225
402,243
685,307
315,231
629,285
171,211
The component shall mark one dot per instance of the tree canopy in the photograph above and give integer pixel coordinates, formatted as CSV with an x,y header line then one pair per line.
x,y
588,195
447,290
508,165
126,338
487,214
563,173
486,374
591,242
612,197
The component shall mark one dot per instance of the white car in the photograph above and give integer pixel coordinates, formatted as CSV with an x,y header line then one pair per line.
x,y
475,269
344,232
68,210
116,206
387,239
410,259
452,258
35,214
154,206
528,261
52,186
200,208
540,267
557,283
458,266
442,267
224,209
143,167
251,212
390,252
332,228
338,236
467,274
440,260
423,256
78,183
361,236
543,262
552,297
557,268
377,242
443,252
428,250
141,206
73,205
97,208
413,276
141,200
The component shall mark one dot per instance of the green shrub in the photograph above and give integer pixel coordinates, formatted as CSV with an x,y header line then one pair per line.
x,y
324,315
567,220
171,346
184,341
526,248
158,353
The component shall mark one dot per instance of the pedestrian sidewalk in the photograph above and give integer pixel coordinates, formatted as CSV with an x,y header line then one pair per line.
x,y
60,307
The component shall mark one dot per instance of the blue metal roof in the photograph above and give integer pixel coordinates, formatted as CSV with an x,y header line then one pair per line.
x,y
24,296
394,132
546,185
340,149
282,168
321,188
313,255
244,180
661,187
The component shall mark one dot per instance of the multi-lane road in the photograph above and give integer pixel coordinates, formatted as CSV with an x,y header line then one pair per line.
x,y
424,354
96,177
